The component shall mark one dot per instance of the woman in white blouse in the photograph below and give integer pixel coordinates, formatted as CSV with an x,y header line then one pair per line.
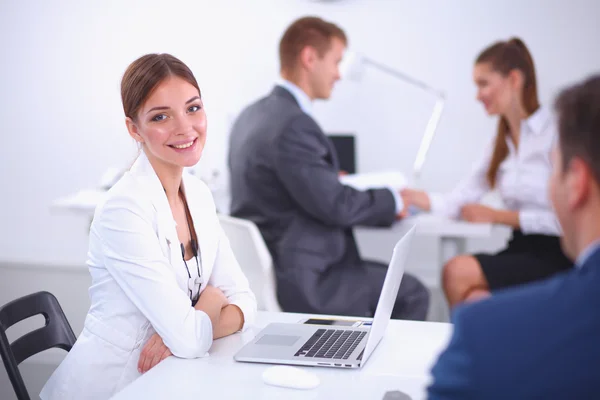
x,y
164,278
517,164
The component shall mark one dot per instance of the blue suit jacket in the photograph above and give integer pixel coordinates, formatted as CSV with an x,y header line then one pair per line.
x,y
540,341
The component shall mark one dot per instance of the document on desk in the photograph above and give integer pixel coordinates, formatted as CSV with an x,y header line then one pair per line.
x,y
375,180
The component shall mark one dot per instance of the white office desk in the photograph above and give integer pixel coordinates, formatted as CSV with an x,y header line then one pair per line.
x,y
451,234
402,361
83,202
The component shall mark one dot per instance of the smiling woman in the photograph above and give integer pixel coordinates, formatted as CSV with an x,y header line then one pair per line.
x,y
149,299
171,134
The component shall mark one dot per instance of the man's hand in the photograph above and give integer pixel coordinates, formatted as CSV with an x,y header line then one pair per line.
x,y
416,198
478,213
404,212
154,351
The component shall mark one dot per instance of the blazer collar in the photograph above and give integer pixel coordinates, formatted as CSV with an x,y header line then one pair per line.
x,y
280,91
538,121
590,256
301,98
144,173
284,93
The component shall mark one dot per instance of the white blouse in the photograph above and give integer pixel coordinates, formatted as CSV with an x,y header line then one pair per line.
x,y
522,179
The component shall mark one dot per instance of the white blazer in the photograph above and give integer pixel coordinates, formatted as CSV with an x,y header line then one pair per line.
x,y
140,285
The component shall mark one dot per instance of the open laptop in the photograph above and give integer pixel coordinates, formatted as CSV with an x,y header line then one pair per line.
x,y
324,345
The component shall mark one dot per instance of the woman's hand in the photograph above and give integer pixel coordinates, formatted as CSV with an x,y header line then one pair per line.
x,y
154,351
417,198
211,301
478,213
404,212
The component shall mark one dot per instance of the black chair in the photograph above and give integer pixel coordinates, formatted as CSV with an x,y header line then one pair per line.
x,y
56,333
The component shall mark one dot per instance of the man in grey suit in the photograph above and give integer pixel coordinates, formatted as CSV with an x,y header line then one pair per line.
x,y
284,177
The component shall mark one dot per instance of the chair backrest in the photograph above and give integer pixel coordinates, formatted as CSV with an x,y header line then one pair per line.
x,y
55,333
254,258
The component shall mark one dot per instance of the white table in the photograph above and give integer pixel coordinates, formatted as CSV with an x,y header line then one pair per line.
x,y
402,361
83,202
451,234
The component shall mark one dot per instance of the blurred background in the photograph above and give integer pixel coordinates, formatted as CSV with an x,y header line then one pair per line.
x,y
63,125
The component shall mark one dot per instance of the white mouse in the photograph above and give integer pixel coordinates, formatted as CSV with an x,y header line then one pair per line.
x,y
290,377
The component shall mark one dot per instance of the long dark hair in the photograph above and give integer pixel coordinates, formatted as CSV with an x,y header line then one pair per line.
x,y
505,57
145,74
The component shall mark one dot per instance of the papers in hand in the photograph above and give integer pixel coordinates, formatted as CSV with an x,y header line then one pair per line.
x,y
375,180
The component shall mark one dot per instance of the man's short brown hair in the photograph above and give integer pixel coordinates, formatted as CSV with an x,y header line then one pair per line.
x,y
578,110
307,31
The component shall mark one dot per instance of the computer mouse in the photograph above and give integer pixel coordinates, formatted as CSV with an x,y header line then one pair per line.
x,y
396,395
290,377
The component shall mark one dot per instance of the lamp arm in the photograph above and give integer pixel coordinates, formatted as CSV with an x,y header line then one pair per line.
x,y
432,124
404,77
434,119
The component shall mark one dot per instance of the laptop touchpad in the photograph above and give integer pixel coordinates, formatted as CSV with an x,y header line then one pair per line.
x,y
278,340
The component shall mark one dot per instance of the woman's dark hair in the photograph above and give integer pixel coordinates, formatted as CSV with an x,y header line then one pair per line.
x,y
145,74
505,57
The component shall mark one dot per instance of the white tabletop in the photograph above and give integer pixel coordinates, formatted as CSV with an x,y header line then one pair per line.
x,y
85,201
402,361
434,225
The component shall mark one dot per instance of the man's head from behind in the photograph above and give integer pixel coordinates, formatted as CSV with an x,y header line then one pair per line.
x,y
575,182
310,52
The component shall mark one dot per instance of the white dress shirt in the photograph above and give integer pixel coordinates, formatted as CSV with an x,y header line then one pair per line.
x,y
305,104
140,285
522,178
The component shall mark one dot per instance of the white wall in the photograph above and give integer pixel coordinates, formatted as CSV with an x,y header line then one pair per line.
x,y
62,122
62,62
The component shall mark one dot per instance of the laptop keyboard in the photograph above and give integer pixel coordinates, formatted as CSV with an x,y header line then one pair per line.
x,y
331,343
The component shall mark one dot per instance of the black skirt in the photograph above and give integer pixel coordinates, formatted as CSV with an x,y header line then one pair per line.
x,y
527,258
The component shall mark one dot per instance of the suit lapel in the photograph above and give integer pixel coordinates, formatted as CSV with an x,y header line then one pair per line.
x,y
166,226
281,92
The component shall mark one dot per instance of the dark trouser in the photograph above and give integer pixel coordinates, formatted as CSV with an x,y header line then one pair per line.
x,y
412,302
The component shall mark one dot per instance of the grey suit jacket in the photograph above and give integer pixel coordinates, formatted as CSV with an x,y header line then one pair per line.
x,y
284,177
